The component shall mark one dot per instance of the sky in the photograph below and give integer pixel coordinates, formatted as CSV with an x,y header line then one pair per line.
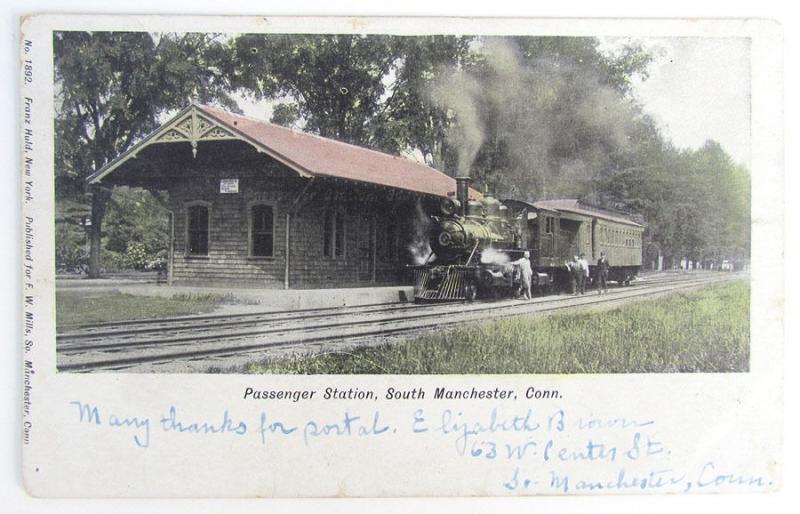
x,y
698,89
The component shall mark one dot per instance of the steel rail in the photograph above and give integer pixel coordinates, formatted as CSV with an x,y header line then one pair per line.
x,y
407,325
177,323
77,342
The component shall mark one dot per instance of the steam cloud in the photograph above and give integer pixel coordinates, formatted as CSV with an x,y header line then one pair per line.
x,y
556,118
420,247
458,92
492,256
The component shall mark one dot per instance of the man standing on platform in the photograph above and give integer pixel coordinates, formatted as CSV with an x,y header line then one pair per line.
x,y
525,273
583,265
574,273
602,273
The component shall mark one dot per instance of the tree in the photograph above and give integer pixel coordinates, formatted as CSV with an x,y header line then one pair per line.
x,y
696,202
129,221
719,202
286,115
334,82
410,117
111,88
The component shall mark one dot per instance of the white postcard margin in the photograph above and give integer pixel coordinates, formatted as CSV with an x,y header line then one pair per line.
x,y
706,433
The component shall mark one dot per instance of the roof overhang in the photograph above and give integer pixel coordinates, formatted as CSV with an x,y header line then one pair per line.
x,y
522,204
566,215
573,209
198,123
192,125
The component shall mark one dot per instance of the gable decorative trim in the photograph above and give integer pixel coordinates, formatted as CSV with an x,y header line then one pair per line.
x,y
191,126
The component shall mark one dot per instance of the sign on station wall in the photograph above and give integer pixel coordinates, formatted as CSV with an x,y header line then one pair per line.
x,y
229,185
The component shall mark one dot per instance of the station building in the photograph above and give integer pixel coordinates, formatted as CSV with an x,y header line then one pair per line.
x,y
259,205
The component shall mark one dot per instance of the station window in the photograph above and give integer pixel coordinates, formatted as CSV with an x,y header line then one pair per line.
x,y
549,225
333,234
197,230
261,230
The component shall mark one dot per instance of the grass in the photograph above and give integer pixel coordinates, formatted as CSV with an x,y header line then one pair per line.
x,y
703,331
81,308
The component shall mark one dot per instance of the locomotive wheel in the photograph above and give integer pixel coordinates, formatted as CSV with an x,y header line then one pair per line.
x,y
626,279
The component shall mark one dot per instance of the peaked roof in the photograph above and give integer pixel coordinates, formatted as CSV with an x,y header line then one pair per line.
x,y
307,154
575,206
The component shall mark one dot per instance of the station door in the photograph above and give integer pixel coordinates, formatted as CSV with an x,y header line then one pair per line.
x,y
366,248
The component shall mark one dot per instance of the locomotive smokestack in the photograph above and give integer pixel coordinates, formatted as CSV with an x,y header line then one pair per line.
x,y
462,192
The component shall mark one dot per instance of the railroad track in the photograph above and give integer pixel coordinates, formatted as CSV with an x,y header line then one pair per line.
x,y
131,344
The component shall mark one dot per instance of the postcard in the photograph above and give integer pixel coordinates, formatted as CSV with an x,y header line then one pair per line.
x,y
400,257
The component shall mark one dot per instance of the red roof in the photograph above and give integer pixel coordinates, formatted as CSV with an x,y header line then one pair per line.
x,y
578,208
319,156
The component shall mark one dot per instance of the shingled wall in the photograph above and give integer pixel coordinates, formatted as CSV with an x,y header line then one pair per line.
x,y
365,209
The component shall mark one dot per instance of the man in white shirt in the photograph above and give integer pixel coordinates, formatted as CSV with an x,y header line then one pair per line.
x,y
525,273
584,267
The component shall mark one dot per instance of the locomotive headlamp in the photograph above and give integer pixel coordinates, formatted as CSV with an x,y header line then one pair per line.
x,y
444,239
450,206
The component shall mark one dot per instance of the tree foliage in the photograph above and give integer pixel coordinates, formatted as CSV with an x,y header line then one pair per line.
x,y
334,82
132,217
410,117
695,202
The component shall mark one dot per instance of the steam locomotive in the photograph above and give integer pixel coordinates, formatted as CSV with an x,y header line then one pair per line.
x,y
474,243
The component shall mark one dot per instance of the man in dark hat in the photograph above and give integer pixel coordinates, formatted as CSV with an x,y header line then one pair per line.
x,y
602,273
